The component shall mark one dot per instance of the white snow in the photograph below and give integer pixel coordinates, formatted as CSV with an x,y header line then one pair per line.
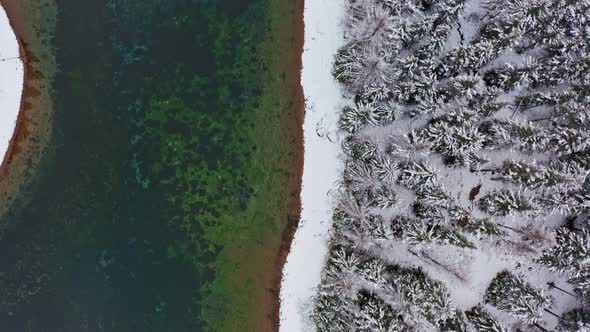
x,y
11,81
323,164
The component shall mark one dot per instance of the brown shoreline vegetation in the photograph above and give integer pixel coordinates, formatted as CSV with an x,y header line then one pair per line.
x,y
33,128
296,127
260,266
256,281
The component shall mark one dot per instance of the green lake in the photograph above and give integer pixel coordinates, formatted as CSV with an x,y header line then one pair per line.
x,y
157,163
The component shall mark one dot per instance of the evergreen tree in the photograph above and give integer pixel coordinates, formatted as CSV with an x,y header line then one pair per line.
x,y
483,321
454,323
483,228
571,252
330,314
355,118
580,278
374,271
359,177
525,136
347,64
509,293
370,24
454,142
577,320
505,202
415,175
434,195
533,175
416,231
360,150
376,315
387,170
560,202
375,227
383,198
430,297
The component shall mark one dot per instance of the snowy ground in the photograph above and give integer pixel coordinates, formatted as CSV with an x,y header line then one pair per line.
x,y
11,81
418,71
322,162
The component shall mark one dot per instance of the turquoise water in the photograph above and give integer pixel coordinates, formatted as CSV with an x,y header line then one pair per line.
x,y
98,243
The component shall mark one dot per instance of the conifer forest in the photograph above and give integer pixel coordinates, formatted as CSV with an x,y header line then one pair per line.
x,y
464,202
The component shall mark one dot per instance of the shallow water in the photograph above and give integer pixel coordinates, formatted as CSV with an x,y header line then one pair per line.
x,y
147,100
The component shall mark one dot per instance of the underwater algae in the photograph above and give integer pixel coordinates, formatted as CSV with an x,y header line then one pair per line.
x,y
169,183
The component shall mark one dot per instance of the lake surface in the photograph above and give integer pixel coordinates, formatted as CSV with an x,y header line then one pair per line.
x,y
149,147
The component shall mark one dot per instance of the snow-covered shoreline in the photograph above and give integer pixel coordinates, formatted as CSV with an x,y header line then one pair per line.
x,y
322,163
11,82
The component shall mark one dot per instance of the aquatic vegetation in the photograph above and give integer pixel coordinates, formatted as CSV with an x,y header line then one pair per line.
x,y
163,202
214,137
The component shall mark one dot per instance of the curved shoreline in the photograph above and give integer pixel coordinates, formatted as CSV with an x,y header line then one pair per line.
x,y
296,126
322,163
33,24
22,70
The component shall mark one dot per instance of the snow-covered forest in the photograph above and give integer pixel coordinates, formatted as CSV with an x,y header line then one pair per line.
x,y
465,200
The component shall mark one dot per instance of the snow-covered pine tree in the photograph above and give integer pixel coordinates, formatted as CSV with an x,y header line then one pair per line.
x,y
483,228
387,170
348,64
434,195
510,293
383,198
483,321
330,314
561,202
360,150
571,252
360,116
359,177
524,136
533,175
571,256
361,63
565,138
430,297
505,202
455,141
374,272
354,208
577,320
580,278
340,277
454,323
375,227
376,315
371,25
416,231
417,174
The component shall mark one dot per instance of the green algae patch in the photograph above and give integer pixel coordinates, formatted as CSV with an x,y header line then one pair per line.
x,y
225,141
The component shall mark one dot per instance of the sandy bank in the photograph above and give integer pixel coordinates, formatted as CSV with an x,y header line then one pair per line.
x,y
322,165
